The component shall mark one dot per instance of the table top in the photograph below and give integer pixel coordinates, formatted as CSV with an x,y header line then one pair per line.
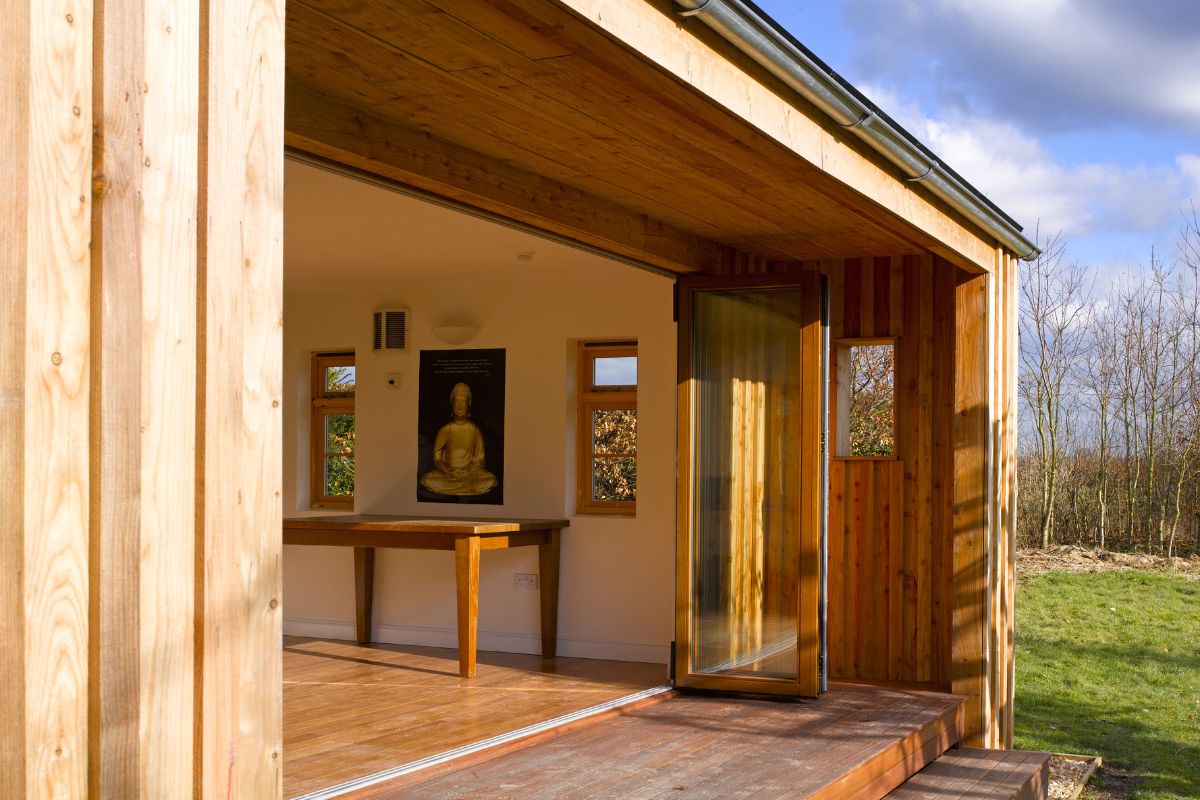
x,y
412,524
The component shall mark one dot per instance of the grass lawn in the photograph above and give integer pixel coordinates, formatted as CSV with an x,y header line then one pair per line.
x,y
1108,664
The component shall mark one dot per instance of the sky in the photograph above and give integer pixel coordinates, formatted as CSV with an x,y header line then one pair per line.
x,y
1079,117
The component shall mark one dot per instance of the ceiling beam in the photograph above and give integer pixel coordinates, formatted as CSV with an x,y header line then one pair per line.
x,y
343,133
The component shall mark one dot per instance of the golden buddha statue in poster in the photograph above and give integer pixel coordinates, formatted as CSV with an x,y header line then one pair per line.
x,y
458,452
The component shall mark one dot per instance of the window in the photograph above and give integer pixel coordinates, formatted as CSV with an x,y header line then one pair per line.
x,y
607,471
332,462
866,398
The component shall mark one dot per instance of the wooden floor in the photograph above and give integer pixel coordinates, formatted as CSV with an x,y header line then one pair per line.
x,y
853,743
350,711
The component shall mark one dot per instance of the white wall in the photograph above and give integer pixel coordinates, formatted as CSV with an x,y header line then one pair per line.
x,y
617,573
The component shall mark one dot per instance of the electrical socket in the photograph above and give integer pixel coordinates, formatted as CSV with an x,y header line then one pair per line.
x,y
525,580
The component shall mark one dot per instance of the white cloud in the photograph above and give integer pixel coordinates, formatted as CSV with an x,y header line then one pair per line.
x,y
1051,64
1012,168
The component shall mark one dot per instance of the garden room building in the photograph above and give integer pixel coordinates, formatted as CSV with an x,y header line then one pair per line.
x,y
539,385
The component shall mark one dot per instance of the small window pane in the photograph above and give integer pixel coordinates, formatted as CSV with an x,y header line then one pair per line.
x,y
614,371
339,476
339,380
614,479
872,400
614,431
339,433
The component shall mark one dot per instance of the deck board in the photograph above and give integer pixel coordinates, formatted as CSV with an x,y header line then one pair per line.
x,y
975,774
850,740
351,711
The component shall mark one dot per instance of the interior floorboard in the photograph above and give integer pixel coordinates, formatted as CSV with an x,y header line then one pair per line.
x,y
351,710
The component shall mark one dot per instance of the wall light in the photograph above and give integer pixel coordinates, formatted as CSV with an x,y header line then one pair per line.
x,y
459,333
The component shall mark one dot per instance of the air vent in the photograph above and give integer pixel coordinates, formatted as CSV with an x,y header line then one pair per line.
x,y
391,331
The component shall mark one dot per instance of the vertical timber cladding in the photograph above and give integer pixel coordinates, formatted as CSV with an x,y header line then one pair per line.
x,y
144,265
890,526
972,671
922,548
239,471
14,267
45,285
1003,487
112,504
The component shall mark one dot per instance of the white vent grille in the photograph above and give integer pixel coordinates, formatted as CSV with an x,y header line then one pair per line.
x,y
391,331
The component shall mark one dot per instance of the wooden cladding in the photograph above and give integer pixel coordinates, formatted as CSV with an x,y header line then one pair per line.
x,y
45,389
921,548
140,398
890,533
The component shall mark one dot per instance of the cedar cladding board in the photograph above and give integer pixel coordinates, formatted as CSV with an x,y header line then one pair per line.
x,y
890,531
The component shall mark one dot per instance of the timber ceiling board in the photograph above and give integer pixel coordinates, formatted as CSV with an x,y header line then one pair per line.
x,y
528,84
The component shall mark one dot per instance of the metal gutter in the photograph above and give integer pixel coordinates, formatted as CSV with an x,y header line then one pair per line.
x,y
760,37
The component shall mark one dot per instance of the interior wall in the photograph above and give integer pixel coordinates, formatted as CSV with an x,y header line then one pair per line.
x,y
617,573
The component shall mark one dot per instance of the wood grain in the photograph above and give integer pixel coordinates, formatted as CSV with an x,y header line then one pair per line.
x,y
240,473
969,772
351,711
45,401
682,151
970,549
466,569
722,76
144,376
15,36
337,131
722,747
889,518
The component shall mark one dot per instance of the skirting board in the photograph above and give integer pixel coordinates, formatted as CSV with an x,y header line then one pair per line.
x,y
496,642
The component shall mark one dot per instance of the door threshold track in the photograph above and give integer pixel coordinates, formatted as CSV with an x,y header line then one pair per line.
x,y
450,755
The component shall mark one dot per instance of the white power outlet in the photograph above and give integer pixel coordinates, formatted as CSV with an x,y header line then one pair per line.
x,y
524,580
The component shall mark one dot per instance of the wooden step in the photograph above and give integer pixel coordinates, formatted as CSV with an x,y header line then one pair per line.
x,y
972,773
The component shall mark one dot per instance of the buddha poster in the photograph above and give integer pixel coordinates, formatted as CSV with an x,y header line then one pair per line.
x,y
460,427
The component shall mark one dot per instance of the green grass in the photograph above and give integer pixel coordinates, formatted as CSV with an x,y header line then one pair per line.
x,y
1109,664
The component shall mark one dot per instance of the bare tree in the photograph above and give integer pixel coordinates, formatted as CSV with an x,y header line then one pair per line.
x,y
1099,380
1054,326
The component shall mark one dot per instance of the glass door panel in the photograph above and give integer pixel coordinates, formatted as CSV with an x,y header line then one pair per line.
x,y
750,537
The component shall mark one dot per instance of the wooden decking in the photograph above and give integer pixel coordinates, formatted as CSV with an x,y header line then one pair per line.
x,y
853,742
969,774
351,711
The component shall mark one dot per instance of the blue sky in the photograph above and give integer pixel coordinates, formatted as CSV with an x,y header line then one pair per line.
x,y
1079,116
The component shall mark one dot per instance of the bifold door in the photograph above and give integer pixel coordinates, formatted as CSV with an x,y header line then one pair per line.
x,y
749,574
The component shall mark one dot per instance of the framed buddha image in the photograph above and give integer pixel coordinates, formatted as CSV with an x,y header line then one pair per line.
x,y
460,427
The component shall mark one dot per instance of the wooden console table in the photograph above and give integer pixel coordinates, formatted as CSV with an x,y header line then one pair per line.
x,y
365,532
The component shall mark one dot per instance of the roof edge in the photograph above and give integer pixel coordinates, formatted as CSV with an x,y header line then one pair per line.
x,y
753,32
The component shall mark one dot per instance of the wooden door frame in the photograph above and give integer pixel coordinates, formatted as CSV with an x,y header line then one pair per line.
x,y
810,667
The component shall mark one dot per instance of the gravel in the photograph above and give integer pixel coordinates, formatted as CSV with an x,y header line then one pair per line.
x,y
1067,776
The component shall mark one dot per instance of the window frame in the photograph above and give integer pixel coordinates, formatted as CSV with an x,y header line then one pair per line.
x,y
840,396
324,404
598,398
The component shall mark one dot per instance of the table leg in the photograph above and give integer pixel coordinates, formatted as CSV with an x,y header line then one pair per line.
x,y
466,568
364,592
548,567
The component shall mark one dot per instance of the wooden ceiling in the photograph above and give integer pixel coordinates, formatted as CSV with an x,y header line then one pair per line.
x,y
527,108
